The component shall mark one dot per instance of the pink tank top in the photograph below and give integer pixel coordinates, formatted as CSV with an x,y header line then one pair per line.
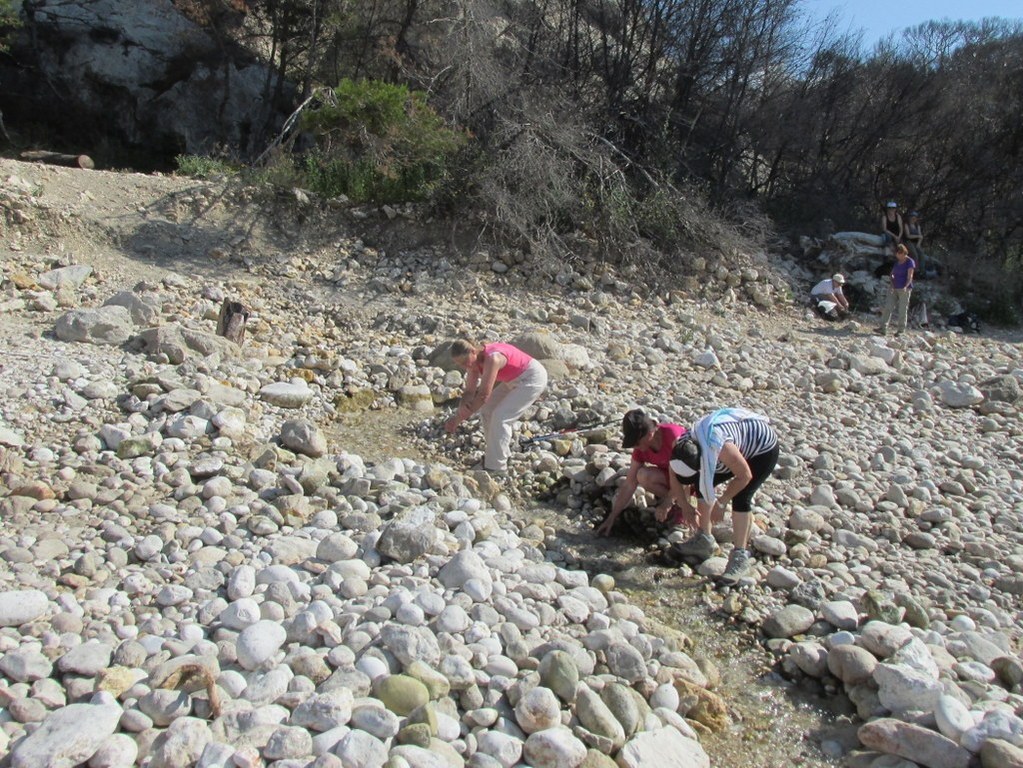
x,y
518,360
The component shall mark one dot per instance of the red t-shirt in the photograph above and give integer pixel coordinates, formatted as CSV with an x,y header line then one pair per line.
x,y
669,434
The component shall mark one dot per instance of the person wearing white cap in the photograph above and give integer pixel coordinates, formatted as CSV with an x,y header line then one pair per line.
x,y
828,299
734,445
891,224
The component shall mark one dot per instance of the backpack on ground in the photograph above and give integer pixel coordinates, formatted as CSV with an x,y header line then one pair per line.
x,y
828,310
968,321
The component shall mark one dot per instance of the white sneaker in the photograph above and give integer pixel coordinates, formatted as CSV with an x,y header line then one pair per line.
x,y
699,546
738,566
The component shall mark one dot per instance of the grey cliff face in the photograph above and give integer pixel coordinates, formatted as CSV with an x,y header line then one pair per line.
x,y
142,74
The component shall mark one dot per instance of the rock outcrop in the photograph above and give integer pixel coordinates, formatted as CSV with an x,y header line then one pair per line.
x,y
144,72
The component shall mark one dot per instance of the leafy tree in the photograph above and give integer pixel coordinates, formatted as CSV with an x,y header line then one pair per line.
x,y
378,142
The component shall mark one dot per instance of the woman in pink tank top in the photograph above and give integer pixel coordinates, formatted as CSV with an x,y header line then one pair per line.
x,y
501,382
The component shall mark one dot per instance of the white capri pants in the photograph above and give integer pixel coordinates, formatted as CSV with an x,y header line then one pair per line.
x,y
507,403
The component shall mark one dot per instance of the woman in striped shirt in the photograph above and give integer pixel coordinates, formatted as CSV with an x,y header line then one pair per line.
x,y
733,445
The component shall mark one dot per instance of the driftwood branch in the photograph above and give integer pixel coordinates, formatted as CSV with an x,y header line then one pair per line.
x,y
289,124
58,158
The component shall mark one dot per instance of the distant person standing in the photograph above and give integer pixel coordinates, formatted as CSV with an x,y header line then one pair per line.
x,y
501,382
899,289
891,224
913,237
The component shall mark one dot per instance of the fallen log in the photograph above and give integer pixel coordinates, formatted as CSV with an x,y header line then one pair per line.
x,y
860,238
57,158
860,244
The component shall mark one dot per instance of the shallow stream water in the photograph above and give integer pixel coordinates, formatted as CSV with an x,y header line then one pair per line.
x,y
775,724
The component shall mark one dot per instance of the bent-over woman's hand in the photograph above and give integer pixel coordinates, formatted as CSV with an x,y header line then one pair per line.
x,y
686,517
717,513
604,529
661,512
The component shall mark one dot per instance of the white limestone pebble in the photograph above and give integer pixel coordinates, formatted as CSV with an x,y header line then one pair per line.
x,y
61,739
21,606
259,643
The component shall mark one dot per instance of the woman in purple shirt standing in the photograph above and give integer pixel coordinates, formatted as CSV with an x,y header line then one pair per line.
x,y
898,291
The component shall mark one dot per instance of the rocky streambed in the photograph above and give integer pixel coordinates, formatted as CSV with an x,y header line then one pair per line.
x,y
196,560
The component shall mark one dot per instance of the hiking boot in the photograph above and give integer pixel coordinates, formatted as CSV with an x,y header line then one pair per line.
x,y
738,565
881,330
699,546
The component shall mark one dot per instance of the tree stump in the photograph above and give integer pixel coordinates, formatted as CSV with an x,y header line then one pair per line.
x,y
231,323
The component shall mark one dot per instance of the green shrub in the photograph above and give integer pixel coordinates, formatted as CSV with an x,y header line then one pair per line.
x,y
990,290
660,217
9,21
278,171
378,143
203,167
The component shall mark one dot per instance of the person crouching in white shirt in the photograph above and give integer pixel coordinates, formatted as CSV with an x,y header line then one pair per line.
x,y
828,299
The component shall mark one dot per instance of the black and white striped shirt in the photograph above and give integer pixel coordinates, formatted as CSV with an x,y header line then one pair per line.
x,y
752,437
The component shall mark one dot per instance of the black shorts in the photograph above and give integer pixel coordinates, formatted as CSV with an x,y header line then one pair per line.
x,y
761,466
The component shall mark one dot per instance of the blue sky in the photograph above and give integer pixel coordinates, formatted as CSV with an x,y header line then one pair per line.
x,y
879,17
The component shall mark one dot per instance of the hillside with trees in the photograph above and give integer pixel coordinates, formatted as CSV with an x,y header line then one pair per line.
x,y
627,127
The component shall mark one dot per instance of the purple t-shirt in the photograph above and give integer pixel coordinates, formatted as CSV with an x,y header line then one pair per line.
x,y
900,274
